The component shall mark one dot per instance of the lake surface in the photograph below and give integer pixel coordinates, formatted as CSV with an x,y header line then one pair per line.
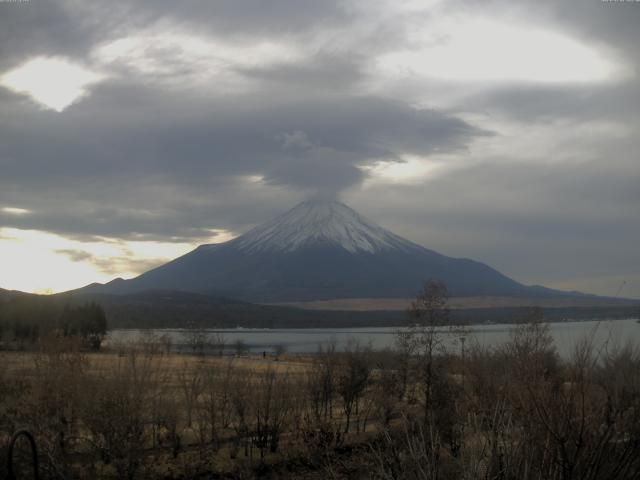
x,y
307,340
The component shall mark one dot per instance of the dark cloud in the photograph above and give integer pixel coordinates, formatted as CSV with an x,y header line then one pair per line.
x,y
251,18
75,255
71,28
612,25
117,265
65,28
112,158
324,71
549,103
113,265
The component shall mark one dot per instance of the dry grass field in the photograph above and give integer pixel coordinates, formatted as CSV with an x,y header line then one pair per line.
x,y
401,304
417,412
140,412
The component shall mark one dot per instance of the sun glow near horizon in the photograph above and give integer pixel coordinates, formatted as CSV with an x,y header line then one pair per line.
x,y
42,262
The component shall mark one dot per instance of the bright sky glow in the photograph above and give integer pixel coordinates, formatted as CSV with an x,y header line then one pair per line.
x,y
15,211
37,261
255,179
411,169
52,82
474,49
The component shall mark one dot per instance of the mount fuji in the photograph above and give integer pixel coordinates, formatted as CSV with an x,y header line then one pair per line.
x,y
320,250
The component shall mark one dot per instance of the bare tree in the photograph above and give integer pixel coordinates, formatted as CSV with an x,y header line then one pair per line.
x,y
215,404
242,404
240,347
196,340
353,378
389,384
279,350
117,412
428,313
406,346
218,343
273,404
190,383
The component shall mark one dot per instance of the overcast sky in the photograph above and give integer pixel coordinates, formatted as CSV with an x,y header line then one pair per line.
x,y
503,131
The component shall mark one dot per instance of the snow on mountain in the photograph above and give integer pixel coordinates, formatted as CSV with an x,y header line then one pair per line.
x,y
319,222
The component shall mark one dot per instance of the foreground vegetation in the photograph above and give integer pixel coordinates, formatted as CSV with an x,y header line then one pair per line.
x,y
417,412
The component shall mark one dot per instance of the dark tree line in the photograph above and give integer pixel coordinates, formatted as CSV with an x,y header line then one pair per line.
x,y
24,320
87,321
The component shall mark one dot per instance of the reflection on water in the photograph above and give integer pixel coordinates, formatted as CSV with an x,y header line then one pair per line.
x,y
566,335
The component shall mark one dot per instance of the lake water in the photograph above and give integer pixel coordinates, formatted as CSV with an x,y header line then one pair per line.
x,y
307,340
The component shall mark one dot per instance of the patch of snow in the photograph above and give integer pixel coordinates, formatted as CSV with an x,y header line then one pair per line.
x,y
320,222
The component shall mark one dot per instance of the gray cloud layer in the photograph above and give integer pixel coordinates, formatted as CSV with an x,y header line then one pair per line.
x,y
94,155
172,154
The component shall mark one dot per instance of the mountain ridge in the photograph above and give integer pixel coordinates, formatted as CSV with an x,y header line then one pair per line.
x,y
321,250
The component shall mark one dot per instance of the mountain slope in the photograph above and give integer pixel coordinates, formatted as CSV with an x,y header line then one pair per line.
x,y
320,250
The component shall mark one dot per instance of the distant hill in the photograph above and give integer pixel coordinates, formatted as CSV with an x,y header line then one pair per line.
x,y
5,294
464,303
171,309
321,250
174,309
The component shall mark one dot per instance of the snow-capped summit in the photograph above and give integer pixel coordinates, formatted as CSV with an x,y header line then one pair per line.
x,y
317,223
